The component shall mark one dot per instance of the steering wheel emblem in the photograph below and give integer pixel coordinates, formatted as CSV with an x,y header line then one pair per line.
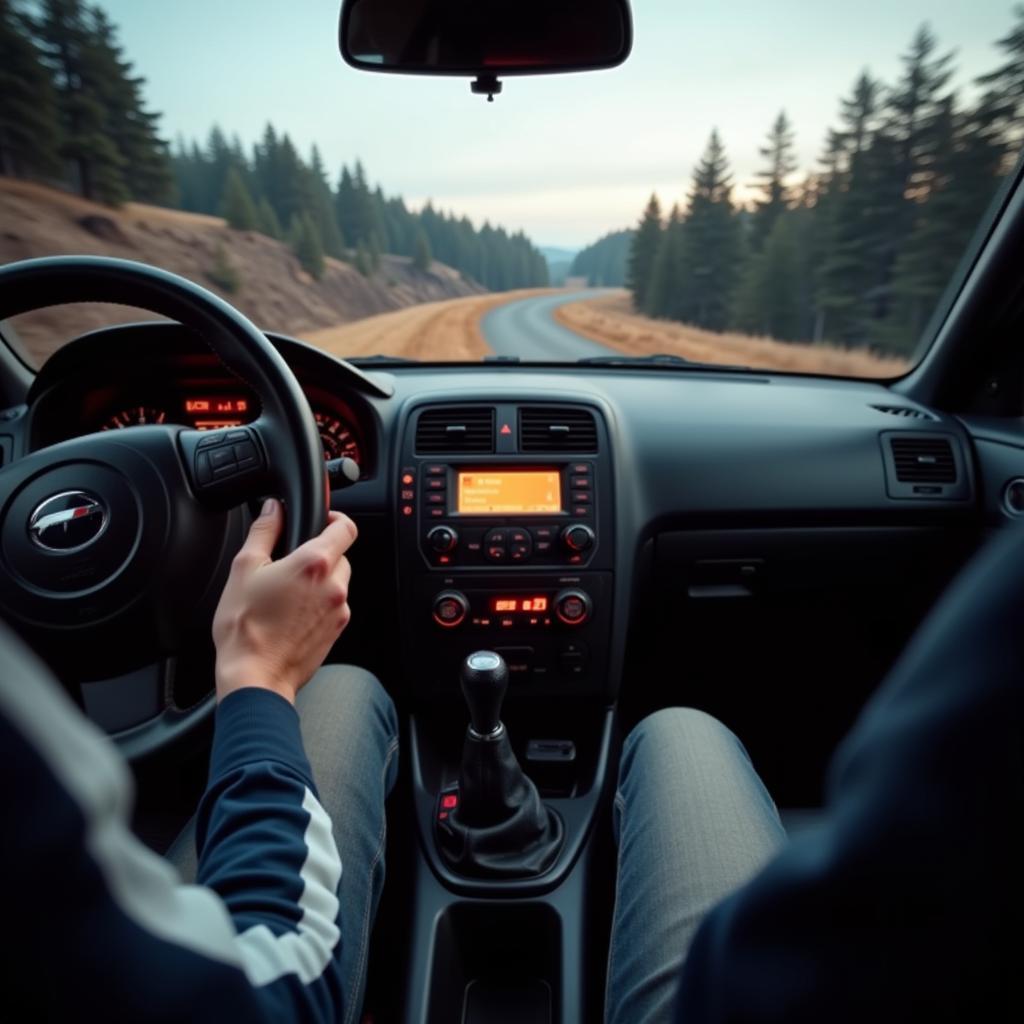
x,y
68,521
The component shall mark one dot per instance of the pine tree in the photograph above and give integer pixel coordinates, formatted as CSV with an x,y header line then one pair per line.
x,y
78,66
775,199
29,128
362,261
1006,84
663,295
322,208
237,206
769,302
711,243
422,259
850,209
643,253
266,220
145,162
306,244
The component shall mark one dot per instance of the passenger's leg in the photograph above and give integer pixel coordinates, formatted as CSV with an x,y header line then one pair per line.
x,y
350,732
693,823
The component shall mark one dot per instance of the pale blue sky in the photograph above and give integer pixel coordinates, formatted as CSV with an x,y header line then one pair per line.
x,y
566,158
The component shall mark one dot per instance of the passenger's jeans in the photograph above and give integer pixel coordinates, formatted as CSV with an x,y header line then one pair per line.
x,y
350,732
693,823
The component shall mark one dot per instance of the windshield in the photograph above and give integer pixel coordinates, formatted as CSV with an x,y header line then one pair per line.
x,y
771,186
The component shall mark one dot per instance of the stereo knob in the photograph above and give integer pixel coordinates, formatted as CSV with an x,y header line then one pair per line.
x,y
578,538
450,609
573,607
442,539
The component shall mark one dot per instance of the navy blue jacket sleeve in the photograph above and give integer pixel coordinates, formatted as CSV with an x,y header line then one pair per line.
x,y
102,928
905,903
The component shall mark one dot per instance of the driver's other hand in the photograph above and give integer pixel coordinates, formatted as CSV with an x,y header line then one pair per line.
x,y
276,621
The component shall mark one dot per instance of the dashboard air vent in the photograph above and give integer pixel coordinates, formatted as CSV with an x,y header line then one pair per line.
x,y
921,460
455,430
905,411
556,429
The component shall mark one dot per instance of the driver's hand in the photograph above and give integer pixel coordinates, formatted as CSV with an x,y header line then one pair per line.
x,y
276,621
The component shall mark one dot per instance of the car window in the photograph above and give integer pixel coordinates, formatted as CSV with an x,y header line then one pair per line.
x,y
762,186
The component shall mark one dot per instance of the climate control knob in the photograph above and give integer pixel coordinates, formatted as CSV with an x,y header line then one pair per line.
x,y
442,539
573,607
578,538
450,609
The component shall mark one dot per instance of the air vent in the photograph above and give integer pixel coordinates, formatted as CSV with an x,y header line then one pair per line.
x,y
921,460
905,411
551,429
455,430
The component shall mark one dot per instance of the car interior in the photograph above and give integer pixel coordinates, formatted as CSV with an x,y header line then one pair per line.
x,y
759,545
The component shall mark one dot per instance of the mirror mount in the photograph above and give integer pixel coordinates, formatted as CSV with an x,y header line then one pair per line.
x,y
486,85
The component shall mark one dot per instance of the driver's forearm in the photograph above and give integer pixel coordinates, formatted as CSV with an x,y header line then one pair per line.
x,y
265,846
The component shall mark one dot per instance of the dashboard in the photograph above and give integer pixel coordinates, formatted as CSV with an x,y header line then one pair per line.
x,y
620,534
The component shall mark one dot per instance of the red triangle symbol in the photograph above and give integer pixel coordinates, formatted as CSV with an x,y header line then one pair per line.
x,y
506,429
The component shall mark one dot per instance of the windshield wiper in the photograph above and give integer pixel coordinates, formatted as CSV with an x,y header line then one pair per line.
x,y
377,360
665,359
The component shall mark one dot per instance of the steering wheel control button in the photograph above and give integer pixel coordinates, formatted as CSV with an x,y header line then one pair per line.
x,y
222,458
450,609
69,521
442,539
245,453
211,441
573,607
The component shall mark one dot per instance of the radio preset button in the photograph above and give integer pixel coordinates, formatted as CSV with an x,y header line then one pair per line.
x,y
435,484
581,497
436,470
580,482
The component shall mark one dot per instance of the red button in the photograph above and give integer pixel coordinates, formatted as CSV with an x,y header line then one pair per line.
x,y
407,478
449,801
407,510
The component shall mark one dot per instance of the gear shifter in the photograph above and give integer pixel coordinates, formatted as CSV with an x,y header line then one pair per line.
x,y
499,827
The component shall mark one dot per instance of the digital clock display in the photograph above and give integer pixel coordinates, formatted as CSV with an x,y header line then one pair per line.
x,y
507,605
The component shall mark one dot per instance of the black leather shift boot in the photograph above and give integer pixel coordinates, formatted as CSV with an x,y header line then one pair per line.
x,y
500,827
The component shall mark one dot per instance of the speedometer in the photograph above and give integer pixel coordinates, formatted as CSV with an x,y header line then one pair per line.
x,y
337,437
135,416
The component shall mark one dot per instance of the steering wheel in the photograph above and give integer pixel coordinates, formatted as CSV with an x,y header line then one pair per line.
x,y
112,545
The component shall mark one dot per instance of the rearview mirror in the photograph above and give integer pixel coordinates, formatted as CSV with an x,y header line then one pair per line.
x,y
485,39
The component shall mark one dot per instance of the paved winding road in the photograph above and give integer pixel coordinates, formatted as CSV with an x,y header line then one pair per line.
x,y
527,329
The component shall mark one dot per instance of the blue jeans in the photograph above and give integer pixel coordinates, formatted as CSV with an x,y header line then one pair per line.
x,y
350,732
693,823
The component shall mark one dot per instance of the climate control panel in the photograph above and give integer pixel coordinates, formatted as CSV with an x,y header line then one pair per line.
x,y
568,608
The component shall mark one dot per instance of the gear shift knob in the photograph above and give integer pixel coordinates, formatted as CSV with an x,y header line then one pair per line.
x,y
484,682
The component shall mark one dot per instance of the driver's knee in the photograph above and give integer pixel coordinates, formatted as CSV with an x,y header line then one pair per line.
x,y
344,708
657,748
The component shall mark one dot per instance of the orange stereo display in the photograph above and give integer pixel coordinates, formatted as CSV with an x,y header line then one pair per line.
x,y
509,492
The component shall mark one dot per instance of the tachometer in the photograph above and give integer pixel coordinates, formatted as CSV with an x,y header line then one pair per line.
x,y
337,437
135,416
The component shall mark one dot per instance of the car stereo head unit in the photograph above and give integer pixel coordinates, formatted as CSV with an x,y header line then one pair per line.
x,y
478,514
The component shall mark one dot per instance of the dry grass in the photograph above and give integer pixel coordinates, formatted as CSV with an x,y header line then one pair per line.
x,y
433,331
611,321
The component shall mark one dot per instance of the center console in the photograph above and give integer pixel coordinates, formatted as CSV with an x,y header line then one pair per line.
x,y
505,534
505,530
